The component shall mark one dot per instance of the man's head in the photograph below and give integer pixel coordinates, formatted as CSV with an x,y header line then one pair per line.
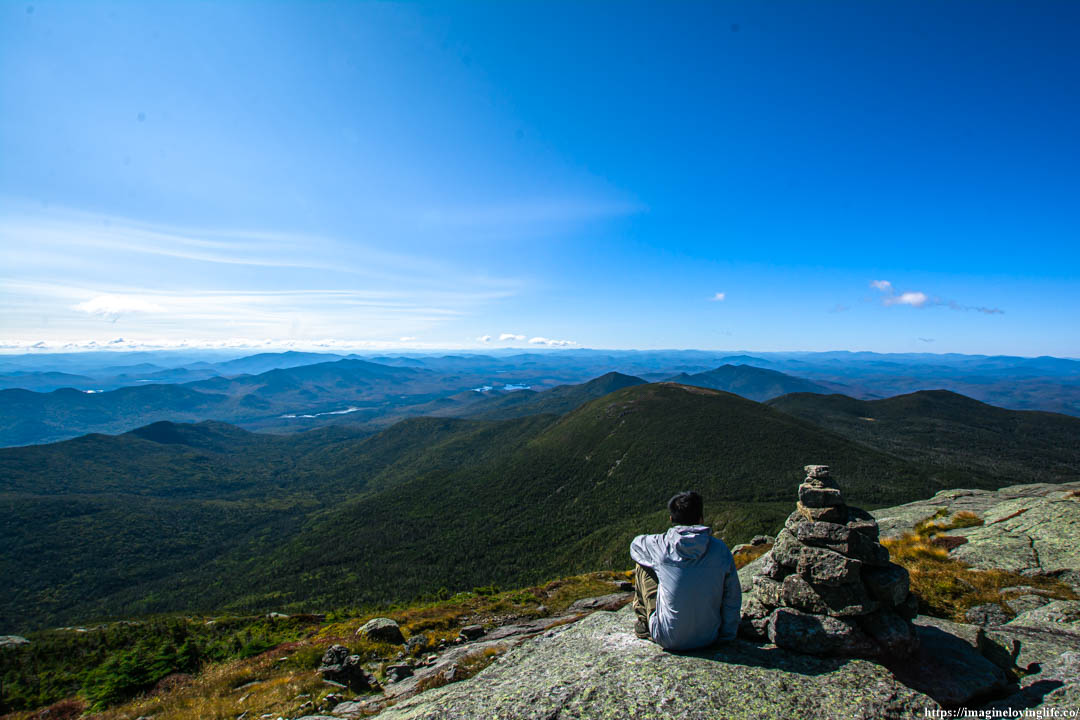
x,y
686,508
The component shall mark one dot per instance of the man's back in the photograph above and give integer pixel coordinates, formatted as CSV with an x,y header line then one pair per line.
x,y
699,596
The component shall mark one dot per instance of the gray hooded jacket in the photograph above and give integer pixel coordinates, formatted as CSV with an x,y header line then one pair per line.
x,y
699,598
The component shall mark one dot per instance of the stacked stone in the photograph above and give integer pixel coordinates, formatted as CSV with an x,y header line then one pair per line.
x,y
827,587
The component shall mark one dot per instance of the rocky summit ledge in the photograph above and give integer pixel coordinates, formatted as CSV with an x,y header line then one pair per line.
x,y
1030,529
598,668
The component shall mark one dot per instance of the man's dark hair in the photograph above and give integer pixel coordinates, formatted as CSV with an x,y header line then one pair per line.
x,y
686,508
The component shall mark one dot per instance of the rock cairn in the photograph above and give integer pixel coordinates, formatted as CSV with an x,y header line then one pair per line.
x,y
827,587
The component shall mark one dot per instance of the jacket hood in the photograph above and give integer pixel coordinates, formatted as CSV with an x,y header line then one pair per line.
x,y
689,542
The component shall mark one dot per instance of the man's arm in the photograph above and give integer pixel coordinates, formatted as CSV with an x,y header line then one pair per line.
x,y
645,550
731,608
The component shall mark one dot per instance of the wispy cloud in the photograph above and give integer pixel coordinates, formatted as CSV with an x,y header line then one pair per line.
x,y
919,299
407,339
211,343
926,340
113,306
526,214
551,343
719,297
39,237
484,339
510,336
69,272
952,305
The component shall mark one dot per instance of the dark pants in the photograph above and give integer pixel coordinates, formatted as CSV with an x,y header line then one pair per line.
x,y
645,587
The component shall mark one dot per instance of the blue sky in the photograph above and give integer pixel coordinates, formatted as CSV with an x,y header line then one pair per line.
x,y
894,176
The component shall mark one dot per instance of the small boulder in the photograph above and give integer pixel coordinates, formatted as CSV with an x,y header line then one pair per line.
x,y
826,567
889,583
768,591
909,609
382,630
398,671
814,496
471,632
787,549
823,534
895,636
835,513
988,614
838,601
818,634
860,521
338,666
614,601
754,619
760,540
416,645
772,569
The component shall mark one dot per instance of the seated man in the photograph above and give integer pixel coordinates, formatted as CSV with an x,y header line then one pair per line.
x,y
698,599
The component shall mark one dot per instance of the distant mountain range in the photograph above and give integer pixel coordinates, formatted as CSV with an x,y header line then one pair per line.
x,y
208,516
1040,383
750,382
293,391
356,392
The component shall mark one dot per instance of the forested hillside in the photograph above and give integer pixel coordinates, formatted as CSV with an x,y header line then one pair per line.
x,y
944,429
208,516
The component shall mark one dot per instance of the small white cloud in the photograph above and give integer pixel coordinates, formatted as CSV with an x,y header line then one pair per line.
x,y
511,336
551,343
914,299
112,306
719,297
926,340
484,339
407,338
921,299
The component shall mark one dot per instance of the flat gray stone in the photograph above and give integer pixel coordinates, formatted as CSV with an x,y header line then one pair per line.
x,y
950,670
814,496
613,601
1020,604
988,614
598,669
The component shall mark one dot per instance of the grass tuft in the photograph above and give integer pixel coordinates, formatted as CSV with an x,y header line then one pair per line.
x,y
745,557
948,588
